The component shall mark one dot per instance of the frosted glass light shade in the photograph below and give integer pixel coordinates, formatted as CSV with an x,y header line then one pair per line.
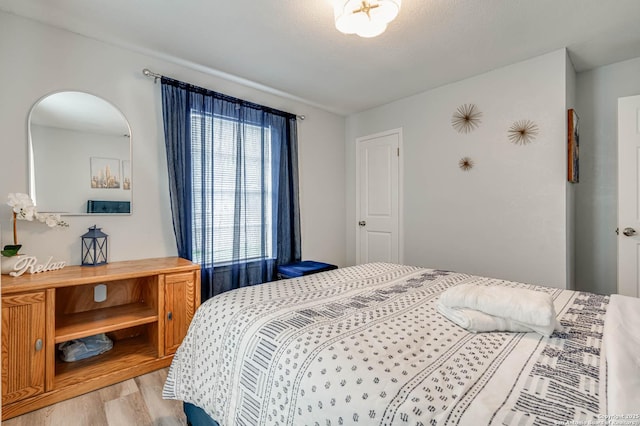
x,y
386,11
372,30
365,18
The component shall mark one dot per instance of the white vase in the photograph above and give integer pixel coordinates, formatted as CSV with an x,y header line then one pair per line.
x,y
7,263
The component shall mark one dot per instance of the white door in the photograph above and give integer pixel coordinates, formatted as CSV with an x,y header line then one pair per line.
x,y
378,200
629,195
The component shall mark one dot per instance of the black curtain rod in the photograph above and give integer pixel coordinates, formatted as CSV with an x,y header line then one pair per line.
x,y
148,73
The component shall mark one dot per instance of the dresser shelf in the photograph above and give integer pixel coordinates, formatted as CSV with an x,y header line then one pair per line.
x,y
89,323
125,353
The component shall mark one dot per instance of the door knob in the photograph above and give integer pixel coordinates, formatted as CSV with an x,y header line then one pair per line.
x,y
629,232
170,316
362,223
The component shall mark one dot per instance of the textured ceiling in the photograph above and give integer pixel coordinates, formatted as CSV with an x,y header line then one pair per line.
x,y
291,46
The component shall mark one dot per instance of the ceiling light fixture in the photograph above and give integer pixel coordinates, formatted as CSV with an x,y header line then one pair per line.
x,y
367,18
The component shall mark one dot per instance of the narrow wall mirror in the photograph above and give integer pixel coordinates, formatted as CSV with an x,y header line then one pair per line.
x,y
79,156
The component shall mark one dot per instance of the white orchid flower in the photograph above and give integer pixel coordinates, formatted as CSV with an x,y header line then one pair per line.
x,y
24,209
51,219
22,206
20,200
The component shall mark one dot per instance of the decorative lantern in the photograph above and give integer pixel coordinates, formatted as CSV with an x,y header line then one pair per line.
x,y
94,247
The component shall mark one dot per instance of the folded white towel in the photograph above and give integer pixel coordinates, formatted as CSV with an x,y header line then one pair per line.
x,y
478,322
495,308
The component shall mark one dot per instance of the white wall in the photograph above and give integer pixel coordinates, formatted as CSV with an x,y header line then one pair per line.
x,y
37,60
62,160
505,218
596,194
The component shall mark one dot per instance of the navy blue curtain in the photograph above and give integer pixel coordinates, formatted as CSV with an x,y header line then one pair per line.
x,y
233,182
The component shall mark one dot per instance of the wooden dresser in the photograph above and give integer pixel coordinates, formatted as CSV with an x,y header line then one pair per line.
x,y
149,305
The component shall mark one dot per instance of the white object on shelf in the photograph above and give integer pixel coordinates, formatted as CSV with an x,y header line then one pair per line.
x,y
100,293
29,264
7,264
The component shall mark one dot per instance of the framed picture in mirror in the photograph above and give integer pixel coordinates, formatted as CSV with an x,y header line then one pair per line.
x,y
105,173
573,143
126,175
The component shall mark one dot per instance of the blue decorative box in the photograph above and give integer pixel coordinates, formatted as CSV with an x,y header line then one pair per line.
x,y
306,267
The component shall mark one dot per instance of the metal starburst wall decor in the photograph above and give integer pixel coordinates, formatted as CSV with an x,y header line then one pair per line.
x,y
466,118
465,164
523,132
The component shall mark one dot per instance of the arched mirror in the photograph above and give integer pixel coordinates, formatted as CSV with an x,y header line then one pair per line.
x,y
79,155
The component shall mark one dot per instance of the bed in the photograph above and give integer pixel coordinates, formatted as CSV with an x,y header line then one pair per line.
x,y
366,345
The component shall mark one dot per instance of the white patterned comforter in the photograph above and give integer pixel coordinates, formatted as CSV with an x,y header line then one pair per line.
x,y
365,345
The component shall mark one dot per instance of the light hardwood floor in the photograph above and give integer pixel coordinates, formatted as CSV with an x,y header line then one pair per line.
x,y
135,402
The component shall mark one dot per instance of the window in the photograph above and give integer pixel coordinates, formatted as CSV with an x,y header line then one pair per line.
x,y
234,181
